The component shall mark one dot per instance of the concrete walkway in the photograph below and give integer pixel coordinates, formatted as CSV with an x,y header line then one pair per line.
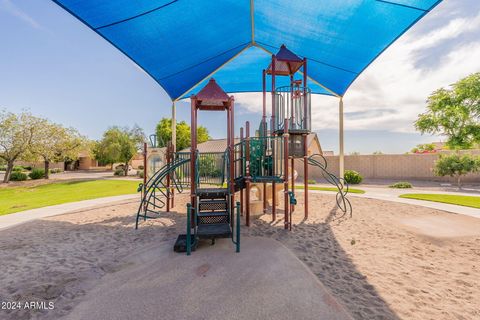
x,y
10,220
386,194
264,281
391,194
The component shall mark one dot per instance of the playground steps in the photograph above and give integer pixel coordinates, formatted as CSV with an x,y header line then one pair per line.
x,y
213,213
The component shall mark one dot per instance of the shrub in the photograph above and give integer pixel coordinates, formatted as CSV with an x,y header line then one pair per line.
x,y
37,173
3,168
456,165
140,168
55,170
401,185
28,168
18,176
119,172
352,177
18,168
311,181
140,173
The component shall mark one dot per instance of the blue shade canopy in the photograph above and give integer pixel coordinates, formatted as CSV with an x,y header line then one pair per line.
x,y
181,43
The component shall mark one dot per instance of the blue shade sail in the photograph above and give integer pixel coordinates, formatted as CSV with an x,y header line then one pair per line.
x,y
181,43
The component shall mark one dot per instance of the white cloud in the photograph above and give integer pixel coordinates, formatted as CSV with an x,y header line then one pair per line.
x,y
9,7
392,91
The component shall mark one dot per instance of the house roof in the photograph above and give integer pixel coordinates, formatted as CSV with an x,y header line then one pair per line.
x,y
212,145
219,145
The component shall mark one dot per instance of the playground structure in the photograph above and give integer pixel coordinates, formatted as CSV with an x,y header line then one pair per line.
x,y
256,168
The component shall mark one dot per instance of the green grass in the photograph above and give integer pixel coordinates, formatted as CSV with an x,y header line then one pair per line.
x,y
467,201
24,198
333,189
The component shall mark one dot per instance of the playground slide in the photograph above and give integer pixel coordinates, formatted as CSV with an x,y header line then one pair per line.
x,y
318,160
154,191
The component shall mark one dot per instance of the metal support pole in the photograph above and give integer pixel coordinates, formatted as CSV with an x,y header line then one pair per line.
x,y
247,177
305,98
189,229
305,175
272,129
193,138
231,133
341,145
144,189
169,155
285,175
238,228
264,131
174,145
242,173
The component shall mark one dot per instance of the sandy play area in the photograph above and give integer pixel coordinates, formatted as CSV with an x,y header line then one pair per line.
x,y
390,261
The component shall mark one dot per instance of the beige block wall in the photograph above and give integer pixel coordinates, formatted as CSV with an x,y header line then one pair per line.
x,y
86,163
391,166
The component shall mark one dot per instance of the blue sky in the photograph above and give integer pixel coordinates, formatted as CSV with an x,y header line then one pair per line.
x,y
55,67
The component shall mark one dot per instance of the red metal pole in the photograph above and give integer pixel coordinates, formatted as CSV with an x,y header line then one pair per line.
x,y
305,100
264,131
273,94
193,138
285,175
247,178
272,129
305,174
230,154
242,204
264,111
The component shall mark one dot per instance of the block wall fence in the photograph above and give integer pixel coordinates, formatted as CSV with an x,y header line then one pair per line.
x,y
388,166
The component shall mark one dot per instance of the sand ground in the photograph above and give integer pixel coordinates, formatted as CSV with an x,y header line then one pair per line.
x,y
389,261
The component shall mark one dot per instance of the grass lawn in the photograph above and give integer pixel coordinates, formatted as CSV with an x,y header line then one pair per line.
x,y
24,198
467,201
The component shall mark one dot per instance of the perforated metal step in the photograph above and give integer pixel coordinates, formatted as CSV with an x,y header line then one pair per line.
x,y
212,205
217,230
212,193
213,214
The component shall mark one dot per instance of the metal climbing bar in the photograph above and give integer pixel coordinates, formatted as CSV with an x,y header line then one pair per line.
x,y
343,203
155,195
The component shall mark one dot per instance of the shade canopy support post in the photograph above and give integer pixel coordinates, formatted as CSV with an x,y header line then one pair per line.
x,y
341,139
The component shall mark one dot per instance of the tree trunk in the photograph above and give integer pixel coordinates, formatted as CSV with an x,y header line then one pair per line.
x,y
126,168
47,169
8,172
459,185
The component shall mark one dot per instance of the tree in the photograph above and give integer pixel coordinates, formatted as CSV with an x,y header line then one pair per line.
x,y
454,113
456,165
164,134
54,142
119,145
16,135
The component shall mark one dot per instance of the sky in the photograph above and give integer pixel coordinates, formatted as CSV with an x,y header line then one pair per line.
x,y
55,67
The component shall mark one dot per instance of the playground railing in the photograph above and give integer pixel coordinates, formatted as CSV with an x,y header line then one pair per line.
x,y
294,104
266,157
210,168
